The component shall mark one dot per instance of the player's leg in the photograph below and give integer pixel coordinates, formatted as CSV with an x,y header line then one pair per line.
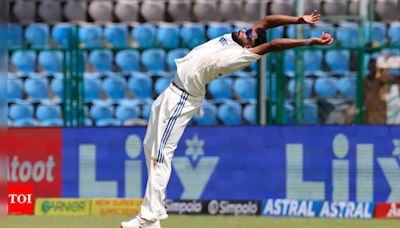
x,y
178,114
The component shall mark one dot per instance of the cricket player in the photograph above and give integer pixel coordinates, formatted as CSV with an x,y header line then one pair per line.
x,y
177,105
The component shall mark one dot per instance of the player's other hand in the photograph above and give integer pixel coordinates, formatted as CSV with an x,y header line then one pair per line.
x,y
325,39
310,19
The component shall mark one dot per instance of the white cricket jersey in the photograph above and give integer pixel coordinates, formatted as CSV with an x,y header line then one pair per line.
x,y
206,62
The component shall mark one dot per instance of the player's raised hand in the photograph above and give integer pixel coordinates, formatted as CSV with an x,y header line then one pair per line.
x,y
311,19
325,39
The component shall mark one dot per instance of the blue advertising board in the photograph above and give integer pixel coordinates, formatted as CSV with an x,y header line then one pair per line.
x,y
333,163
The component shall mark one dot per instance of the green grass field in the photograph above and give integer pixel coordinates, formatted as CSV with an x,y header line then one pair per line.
x,y
192,222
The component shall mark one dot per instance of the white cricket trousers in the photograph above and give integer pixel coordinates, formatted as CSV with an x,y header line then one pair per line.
x,y
170,114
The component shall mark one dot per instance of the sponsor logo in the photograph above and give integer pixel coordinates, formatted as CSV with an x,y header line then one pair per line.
x,y
323,209
20,199
286,207
184,207
36,161
387,210
346,210
223,41
67,207
122,207
226,207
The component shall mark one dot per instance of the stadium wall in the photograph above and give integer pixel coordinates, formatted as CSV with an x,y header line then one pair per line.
x,y
320,163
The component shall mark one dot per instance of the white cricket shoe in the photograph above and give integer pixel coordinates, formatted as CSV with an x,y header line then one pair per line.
x,y
163,214
137,222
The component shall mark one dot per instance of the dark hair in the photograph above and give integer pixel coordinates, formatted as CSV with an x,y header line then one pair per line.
x,y
261,37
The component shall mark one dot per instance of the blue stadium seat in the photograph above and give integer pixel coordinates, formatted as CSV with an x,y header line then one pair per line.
x,y
101,110
276,33
244,74
347,34
245,88
326,87
193,34
313,62
307,87
310,112
91,85
61,34
21,110
292,29
317,30
168,36
145,35
114,87
146,110
91,35
101,60
221,88
230,113
175,54
161,84
116,35
88,122
338,60
140,85
394,33
378,33
348,86
57,85
14,89
218,29
57,122
48,111
154,59
36,87
26,122
289,63
24,61
127,111
51,61
108,122
249,113
210,115
37,34
128,60
14,35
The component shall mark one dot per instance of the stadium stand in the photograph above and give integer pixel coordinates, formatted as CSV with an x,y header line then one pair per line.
x,y
152,34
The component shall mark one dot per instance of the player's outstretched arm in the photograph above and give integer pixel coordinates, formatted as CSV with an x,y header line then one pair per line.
x,y
283,44
278,20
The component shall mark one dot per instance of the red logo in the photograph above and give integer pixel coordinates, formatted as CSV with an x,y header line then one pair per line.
x,y
34,157
20,199
387,210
